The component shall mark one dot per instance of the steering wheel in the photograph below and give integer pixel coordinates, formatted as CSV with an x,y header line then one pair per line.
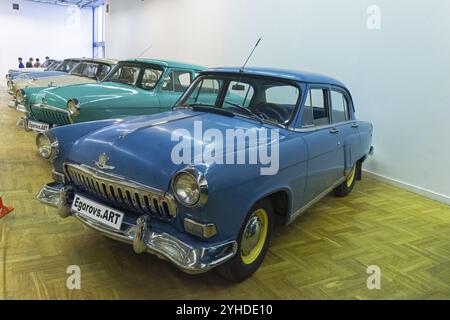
x,y
272,111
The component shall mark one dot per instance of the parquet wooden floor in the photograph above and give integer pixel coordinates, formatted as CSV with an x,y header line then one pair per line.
x,y
323,255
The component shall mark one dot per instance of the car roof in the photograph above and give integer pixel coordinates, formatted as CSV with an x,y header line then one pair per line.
x,y
300,76
101,60
168,63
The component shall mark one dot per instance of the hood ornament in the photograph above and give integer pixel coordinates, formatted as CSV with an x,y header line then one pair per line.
x,y
101,163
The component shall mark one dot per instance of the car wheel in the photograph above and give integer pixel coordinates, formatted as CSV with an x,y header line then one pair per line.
x,y
254,240
347,186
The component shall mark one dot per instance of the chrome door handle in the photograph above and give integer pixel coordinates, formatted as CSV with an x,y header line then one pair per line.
x,y
355,125
334,130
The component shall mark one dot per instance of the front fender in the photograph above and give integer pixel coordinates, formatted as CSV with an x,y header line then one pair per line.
x,y
235,189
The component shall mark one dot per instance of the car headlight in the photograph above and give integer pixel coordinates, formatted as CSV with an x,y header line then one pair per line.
x,y
190,188
74,107
47,145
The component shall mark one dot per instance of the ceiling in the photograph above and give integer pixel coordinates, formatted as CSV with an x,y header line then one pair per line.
x,y
79,3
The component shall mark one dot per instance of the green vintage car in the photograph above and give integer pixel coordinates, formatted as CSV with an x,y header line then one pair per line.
x,y
133,87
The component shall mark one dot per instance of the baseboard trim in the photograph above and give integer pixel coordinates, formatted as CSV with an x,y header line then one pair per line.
x,y
421,191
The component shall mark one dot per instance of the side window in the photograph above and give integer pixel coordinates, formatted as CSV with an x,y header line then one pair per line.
x,y
177,81
339,106
150,78
316,111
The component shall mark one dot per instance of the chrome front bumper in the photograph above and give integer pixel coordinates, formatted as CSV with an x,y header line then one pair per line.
x,y
22,123
21,108
189,259
12,103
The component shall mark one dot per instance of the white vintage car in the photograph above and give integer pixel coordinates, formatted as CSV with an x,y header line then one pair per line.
x,y
86,71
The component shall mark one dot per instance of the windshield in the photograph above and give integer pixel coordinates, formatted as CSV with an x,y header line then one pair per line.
x,y
257,97
67,65
47,63
143,76
53,66
91,70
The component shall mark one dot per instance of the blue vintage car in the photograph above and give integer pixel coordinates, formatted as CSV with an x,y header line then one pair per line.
x,y
203,185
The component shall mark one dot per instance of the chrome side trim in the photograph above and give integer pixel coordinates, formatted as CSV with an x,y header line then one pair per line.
x,y
302,210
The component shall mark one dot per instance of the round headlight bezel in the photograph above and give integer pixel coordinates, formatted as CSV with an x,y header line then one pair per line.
x,y
201,184
73,106
49,150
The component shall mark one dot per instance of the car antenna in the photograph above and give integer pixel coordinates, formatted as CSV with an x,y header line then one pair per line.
x,y
251,53
145,51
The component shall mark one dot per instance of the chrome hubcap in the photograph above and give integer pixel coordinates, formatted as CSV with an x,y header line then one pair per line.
x,y
252,234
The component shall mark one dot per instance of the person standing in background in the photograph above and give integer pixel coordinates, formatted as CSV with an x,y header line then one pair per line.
x,y
30,63
21,65
37,64
46,60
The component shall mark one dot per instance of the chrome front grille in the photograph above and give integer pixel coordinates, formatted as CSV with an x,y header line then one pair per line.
x,y
50,116
129,196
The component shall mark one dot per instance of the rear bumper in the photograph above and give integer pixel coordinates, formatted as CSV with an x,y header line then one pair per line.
x,y
188,258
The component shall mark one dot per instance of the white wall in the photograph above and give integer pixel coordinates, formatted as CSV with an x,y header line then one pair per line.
x,y
38,30
399,75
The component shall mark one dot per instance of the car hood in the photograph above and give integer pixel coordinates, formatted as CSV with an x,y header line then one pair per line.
x,y
140,148
53,81
86,93
40,74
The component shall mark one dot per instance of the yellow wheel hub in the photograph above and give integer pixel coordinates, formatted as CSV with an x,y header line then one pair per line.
x,y
254,236
351,177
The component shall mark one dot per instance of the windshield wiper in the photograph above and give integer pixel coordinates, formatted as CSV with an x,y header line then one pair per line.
x,y
254,116
249,112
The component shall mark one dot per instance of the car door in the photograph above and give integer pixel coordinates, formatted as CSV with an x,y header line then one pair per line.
x,y
323,140
348,128
175,83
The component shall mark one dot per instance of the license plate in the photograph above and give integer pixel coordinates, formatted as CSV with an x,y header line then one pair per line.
x,y
98,212
38,126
